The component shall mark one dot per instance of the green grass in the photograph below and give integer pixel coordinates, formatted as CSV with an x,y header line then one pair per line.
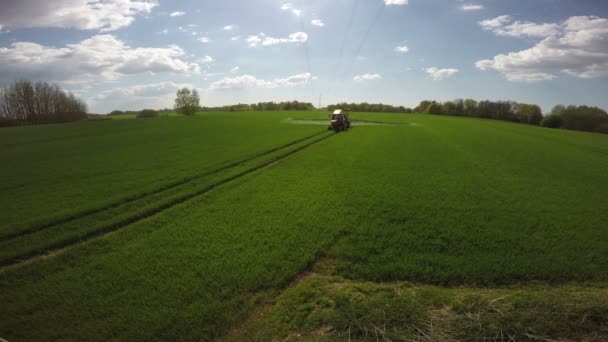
x,y
122,214
326,307
57,171
470,201
446,201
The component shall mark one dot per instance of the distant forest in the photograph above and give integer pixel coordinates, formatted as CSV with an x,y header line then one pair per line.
x,y
580,118
262,106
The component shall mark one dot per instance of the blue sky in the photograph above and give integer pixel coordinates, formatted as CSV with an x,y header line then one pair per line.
x,y
134,54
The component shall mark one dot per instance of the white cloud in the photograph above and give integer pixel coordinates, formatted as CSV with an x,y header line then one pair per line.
x,y
367,77
204,40
472,7
235,38
254,41
491,24
249,81
177,14
317,22
395,2
103,15
295,80
578,47
163,32
264,40
235,70
402,49
99,58
290,7
230,27
153,96
440,74
206,60
504,26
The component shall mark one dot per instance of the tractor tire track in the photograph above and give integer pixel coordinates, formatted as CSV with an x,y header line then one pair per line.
x,y
64,244
83,214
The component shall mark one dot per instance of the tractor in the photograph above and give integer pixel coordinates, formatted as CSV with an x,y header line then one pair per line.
x,y
339,121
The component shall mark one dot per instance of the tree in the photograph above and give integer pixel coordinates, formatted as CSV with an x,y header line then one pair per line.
x,y
470,107
187,102
530,114
422,106
36,103
583,118
459,110
552,121
434,108
449,108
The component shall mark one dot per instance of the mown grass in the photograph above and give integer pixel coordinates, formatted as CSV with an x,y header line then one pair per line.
x,y
448,201
53,172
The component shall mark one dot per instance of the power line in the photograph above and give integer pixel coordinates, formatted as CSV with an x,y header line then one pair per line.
x,y
305,45
366,35
347,30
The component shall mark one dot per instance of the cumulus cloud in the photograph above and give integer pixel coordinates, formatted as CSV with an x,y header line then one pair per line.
x,y
99,58
317,22
291,8
472,7
402,49
395,2
577,47
440,74
235,70
367,77
103,15
505,26
491,24
177,14
249,81
230,27
264,40
206,60
204,40
156,95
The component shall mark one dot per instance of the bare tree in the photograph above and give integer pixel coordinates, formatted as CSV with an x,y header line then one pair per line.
x,y
24,102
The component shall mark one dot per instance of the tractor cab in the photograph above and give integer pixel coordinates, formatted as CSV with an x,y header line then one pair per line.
x,y
339,121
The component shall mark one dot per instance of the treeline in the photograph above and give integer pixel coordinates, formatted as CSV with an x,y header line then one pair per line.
x,y
369,107
142,113
581,118
25,102
500,110
262,106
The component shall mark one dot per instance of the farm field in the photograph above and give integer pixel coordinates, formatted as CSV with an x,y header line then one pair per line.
x,y
55,169
180,228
